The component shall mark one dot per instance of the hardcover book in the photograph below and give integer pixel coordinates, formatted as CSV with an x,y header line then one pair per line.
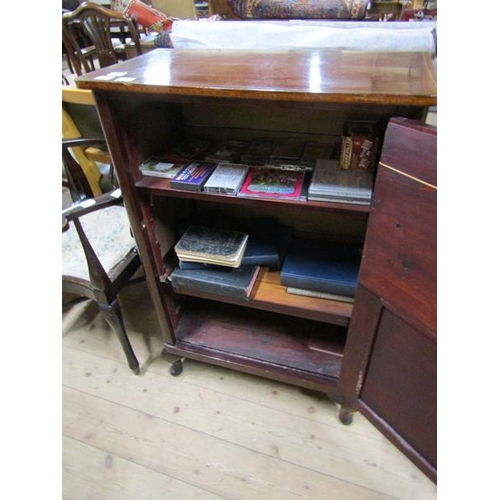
x,y
212,246
322,266
192,149
227,178
259,151
273,183
317,150
193,176
287,150
228,151
331,183
265,253
158,167
233,282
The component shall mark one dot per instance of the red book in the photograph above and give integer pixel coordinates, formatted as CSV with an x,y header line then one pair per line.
x,y
273,183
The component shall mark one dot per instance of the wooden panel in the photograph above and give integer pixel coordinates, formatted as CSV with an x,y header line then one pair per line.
x,y
267,337
400,254
400,385
399,257
411,148
390,358
312,75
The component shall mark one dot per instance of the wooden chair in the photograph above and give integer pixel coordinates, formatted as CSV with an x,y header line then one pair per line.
x,y
97,24
99,255
80,119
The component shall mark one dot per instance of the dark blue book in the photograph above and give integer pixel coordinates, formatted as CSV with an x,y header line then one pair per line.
x,y
193,176
233,282
322,266
258,252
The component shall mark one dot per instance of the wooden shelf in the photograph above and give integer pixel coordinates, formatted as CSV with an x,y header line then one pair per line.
x,y
263,343
269,295
161,187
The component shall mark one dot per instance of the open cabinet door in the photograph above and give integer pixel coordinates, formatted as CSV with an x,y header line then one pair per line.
x,y
389,368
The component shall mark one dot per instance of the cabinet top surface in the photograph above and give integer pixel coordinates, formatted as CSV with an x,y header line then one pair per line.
x,y
308,74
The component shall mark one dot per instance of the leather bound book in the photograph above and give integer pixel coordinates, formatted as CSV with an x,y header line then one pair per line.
x,y
233,282
322,266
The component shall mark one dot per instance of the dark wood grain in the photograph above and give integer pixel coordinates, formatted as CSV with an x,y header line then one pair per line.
x,y
400,385
323,75
224,94
391,352
399,258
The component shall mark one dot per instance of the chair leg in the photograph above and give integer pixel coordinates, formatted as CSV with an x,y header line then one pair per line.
x,y
113,315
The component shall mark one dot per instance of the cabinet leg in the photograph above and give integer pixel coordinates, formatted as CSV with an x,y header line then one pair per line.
x,y
345,415
176,368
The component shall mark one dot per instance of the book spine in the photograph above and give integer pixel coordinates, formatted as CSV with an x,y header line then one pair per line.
x,y
185,285
347,289
319,295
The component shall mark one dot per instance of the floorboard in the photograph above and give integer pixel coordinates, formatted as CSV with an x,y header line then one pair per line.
x,y
209,433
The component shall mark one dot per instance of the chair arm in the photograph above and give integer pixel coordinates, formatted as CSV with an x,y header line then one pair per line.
x,y
82,142
91,205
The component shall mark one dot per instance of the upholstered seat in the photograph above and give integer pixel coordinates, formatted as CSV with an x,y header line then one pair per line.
x,y
109,234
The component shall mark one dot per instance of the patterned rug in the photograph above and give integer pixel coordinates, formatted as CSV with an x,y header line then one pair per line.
x,y
299,9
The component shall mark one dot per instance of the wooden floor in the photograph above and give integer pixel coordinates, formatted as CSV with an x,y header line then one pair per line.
x,y
208,434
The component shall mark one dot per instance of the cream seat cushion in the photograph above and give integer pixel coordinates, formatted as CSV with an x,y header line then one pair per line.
x,y
108,231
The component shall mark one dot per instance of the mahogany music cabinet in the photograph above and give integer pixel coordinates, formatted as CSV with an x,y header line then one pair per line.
x,y
376,355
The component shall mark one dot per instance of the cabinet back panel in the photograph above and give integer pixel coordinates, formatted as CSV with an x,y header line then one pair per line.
x,y
306,224
251,119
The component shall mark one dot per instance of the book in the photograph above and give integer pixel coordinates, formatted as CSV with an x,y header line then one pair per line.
x,y
227,178
317,150
273,183
193,176
228,151
191,149
319,295
258,152
264,253
287,150
223,247
322,266
158,167
233,282
329,182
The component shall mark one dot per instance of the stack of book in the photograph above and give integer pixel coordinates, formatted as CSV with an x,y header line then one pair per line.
x,y
228,151
210,261
226,262
322,269
212,246
331,183
259,151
